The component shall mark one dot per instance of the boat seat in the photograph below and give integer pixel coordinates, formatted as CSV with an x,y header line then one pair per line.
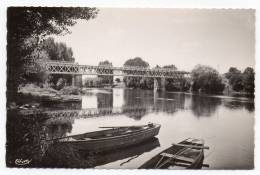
x,y
176,157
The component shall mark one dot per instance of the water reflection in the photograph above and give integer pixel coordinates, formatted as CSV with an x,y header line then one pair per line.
x,y
234,104
177,112
204,107
105,100
68,156
130,152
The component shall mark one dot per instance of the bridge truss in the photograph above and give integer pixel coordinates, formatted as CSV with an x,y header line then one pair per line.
x,y
76,69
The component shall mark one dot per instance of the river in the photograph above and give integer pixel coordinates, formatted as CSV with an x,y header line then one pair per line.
x,y
225,123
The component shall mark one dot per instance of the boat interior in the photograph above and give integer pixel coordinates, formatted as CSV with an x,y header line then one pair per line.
x,y
113,131
183,154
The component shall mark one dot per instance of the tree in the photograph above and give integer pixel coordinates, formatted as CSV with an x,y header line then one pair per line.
x,y
136,62
35,23
135,82
106,79
172,67
58,51
171,84
206,79
36,74
248,80
235,79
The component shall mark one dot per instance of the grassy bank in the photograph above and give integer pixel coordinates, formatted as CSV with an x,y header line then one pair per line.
x,y
47,93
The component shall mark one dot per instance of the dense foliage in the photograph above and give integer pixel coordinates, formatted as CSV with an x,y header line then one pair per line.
x,y
46,51
137,82
35,23
206,79
148,83
58,51
241,82
137,61
172,84
106,79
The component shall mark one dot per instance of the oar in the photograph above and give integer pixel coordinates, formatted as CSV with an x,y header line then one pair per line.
x,y
191,146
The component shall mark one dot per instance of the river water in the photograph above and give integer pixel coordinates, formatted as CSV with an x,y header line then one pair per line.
x,y
225,123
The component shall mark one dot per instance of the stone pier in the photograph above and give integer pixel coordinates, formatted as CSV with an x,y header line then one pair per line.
x,y
155,85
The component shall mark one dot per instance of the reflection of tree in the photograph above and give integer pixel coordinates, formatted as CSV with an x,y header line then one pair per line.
x,y
233,104
67,156
239,105
62,105
161,101
138,97
105,100
204,106
56,128
136,114
169,102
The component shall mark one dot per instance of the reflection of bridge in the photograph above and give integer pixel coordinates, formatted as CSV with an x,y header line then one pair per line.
x,y
92,112
76,69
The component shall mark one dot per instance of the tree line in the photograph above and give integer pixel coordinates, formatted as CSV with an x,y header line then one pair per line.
x,y
202,79
29,29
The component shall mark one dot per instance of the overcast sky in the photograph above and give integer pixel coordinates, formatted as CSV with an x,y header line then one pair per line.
x,y
184,37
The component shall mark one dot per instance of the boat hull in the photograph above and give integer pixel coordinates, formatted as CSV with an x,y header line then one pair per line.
x,y
108,144
194,162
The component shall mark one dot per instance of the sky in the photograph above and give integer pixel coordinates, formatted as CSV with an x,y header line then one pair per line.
x,y
183,37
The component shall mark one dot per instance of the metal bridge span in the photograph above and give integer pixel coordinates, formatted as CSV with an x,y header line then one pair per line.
x,y
76,69
130,71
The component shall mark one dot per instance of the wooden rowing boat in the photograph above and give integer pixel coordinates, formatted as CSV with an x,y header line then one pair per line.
x,y
110,139
188,154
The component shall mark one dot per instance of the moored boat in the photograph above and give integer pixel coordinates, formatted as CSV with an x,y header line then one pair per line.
x,y
110,139
188,154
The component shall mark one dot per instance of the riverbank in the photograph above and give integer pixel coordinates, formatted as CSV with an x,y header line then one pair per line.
x,y
50,94
66,94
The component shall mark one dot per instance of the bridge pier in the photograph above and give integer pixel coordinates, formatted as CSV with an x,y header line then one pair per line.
x,y
155,85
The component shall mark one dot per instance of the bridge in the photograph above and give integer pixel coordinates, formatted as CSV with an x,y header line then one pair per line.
x,y
69,68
